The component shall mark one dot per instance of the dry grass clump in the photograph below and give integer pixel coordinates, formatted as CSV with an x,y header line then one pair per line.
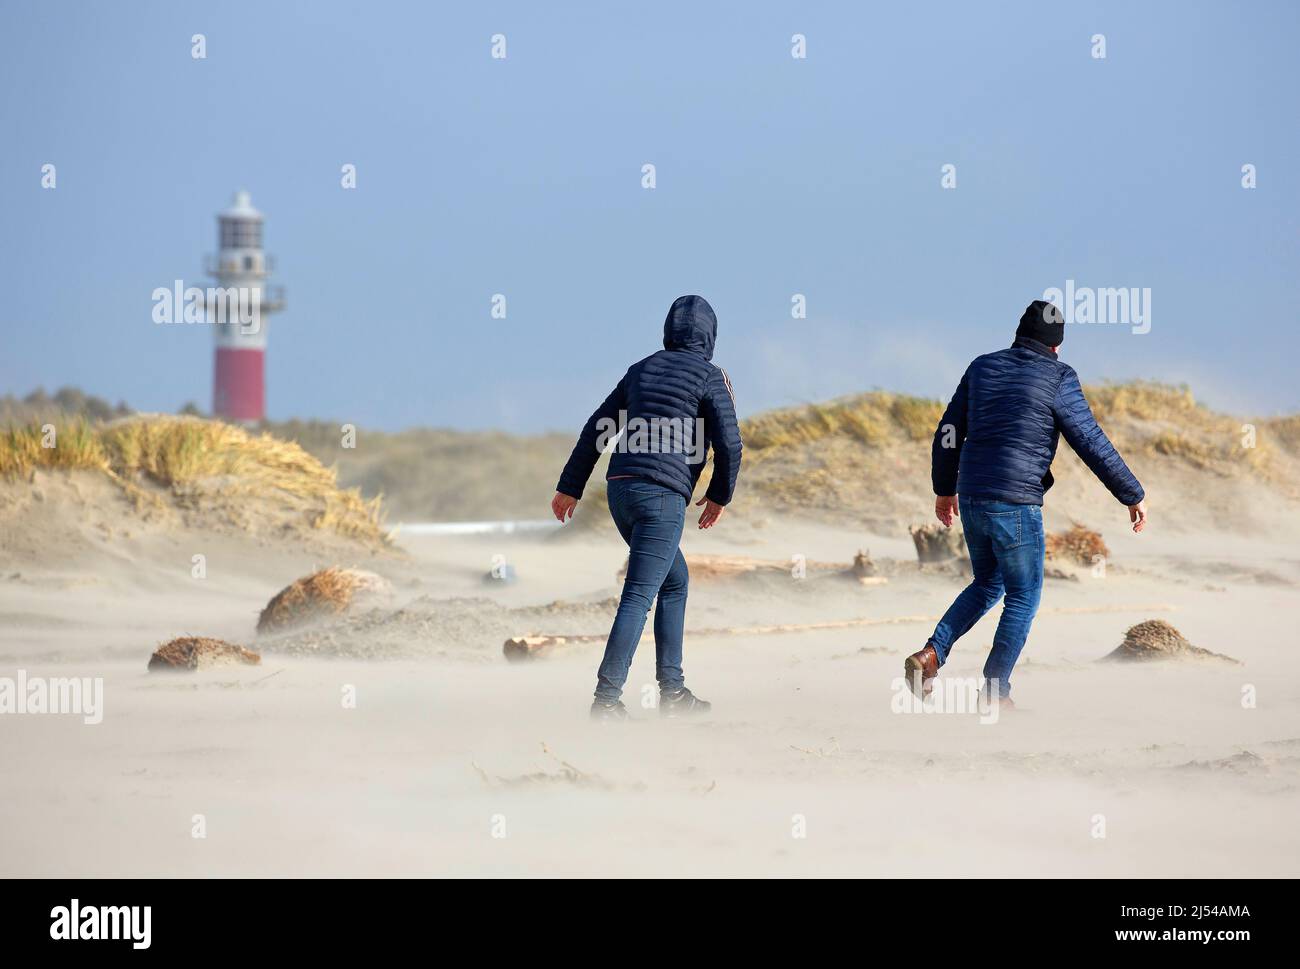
x,y
200,653
70,446
1146,400
870,419
866,458
180,452
1175,445
1078,544
1166,420
916,416
1156,639
1218,449
320,595
1140,416
1285,431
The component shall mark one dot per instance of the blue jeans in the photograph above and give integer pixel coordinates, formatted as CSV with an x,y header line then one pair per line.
x,y
1005,542
650,519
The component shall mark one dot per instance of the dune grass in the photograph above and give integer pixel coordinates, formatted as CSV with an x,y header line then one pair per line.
x,y
1141,416
816,452
872,419
176,452
1145,400
1282,431
1178,427
68,447
879,417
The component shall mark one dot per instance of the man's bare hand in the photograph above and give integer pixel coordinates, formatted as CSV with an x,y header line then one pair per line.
x,y
712,512
563,505
945,508
1137,514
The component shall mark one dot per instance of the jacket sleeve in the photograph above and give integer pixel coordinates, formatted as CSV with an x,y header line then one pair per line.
x,y
718,406
573,479
1080,428
945,451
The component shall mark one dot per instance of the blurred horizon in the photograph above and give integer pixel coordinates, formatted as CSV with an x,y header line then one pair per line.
x,y
775,177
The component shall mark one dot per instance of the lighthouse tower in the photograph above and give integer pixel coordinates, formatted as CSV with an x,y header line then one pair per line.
x,y
241,269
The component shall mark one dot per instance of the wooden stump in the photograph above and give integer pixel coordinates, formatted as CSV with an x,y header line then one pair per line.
x,y
934,543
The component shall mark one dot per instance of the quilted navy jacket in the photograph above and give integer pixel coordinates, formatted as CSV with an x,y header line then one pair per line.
x,y
679,384
998,436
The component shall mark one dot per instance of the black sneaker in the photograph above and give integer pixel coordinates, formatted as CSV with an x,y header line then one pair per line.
x,y
603,711
681,703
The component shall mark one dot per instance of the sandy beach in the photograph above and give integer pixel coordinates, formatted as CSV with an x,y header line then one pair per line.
x,y
454,761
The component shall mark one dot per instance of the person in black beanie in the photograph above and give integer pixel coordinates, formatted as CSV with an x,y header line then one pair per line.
x,y
994,447
1043,322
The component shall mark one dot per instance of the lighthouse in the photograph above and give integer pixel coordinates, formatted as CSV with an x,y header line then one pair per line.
x,y
238,309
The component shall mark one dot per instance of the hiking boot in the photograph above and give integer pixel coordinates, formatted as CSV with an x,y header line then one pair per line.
x,y
606,711
681,703
920,669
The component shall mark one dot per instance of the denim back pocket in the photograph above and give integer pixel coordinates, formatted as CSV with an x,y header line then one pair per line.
x,y
647,501
1004,528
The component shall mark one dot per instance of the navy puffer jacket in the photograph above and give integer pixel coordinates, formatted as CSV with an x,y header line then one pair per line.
x,y
672,407
998,436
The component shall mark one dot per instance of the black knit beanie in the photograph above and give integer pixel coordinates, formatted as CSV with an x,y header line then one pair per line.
x,y
1042,321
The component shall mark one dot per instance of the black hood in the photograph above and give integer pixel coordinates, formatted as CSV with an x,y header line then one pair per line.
x,y
691,325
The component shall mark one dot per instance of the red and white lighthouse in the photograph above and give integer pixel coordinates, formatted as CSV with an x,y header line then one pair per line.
x,y
241,269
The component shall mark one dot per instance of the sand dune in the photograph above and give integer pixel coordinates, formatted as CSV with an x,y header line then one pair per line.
x,y
395,738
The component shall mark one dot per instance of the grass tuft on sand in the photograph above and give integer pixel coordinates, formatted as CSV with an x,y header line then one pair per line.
x,y
180,453
325,593
200,653
1157,640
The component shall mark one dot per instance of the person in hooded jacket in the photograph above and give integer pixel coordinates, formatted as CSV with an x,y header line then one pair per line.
x,y
660,421
994,448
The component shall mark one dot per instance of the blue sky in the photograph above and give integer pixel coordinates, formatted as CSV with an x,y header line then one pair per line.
x,y
522,176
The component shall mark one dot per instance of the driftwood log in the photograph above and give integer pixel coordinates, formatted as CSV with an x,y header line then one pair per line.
x,y
520,648
705,567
